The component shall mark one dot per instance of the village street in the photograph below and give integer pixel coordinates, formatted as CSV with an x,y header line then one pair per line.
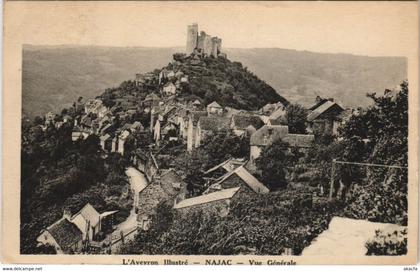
x,y
137,182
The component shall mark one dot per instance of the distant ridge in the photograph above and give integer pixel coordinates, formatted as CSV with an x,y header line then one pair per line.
x,y
54,76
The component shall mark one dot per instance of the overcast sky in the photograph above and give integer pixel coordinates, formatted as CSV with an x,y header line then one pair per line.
x,y
383,28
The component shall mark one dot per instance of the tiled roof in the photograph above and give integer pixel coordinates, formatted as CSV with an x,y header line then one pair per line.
x,y
279,121
321,109
248,179
280,112
136,125
152,96
267,134
89,214
105,137
299,140
214,104
207,198
227,165
214,123
65,233
318,103
242,122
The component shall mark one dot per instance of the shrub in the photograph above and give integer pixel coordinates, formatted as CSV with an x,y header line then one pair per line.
x,y
390,244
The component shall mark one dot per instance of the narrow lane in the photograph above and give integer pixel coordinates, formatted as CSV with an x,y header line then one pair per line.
x,y
137,182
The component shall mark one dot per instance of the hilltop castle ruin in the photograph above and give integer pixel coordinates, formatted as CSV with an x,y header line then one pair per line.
x,y
203,43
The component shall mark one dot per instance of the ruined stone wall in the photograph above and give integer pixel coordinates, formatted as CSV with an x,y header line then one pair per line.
x,y
207,45
200,40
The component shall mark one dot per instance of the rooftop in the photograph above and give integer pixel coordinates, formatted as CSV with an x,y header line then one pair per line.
x,y
89,214
214,104
248,179
243,121
268,134
207,198
214,123
322,109
65,233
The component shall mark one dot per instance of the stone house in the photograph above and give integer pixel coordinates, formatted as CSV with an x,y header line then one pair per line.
x,y
137,127
197,105
63,235
301,141
94,106
88,220
278,117
191,126
324,117
169,130
214,109
270,133
168,187
79,133
208,126
122,138
265,136
240,123
49,118
218,202
151,100
268,109
169,89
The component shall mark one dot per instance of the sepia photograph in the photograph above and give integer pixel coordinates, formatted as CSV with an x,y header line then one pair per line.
x,y
147,130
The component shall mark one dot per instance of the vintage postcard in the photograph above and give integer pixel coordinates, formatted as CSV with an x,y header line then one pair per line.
x,y
210,133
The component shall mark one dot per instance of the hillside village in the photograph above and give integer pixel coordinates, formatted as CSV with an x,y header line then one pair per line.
x,y
161,123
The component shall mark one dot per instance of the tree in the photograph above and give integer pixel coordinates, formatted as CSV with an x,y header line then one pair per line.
x,y
379,135
296,118
226,145
38,120
272,163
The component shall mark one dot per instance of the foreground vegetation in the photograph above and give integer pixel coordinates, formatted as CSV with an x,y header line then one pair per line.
x,y
58,174
256,224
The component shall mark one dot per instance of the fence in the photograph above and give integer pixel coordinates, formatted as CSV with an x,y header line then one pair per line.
x,y
355,170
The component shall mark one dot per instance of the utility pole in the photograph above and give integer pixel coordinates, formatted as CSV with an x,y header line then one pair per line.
x,y
332,179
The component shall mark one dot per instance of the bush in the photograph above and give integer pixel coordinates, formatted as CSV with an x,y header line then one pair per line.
x,y
389,244
380,201
256,224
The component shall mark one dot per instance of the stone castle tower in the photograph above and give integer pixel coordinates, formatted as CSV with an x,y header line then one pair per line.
x,y
192,38
206,44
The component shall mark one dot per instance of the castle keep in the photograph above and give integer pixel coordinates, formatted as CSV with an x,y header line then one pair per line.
x,y
206,44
